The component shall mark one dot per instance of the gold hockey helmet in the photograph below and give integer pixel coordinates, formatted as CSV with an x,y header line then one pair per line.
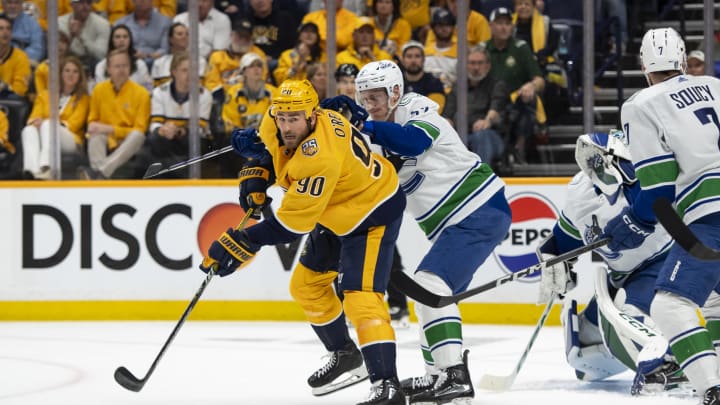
x,y
295,95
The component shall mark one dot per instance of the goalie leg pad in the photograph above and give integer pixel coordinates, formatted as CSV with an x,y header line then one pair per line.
x,y
591,362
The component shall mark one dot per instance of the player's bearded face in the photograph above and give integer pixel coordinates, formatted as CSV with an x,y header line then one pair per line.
x,y
294,127
375,102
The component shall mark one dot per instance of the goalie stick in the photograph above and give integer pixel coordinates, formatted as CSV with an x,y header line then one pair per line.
x,y
504,382
682,234
124,377
412,289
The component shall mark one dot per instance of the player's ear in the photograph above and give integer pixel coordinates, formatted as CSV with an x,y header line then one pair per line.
x,y
396,95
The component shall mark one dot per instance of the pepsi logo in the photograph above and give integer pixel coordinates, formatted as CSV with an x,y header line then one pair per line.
x,y
533,217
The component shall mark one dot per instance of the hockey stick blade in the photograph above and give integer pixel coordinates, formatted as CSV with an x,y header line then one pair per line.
x,y
412,289
682,234
153,170
128,381
504,382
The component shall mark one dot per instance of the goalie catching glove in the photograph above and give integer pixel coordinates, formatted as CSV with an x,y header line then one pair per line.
x,y
231,251
255,177
558,278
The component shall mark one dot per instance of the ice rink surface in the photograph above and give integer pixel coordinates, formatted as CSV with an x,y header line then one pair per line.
x,y
223,363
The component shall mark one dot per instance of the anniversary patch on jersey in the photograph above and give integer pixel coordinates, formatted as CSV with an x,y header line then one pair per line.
x,y
309,148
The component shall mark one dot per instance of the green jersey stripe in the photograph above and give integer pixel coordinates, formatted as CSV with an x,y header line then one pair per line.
x,y
429,128
658,173
475,181
566,227
708,188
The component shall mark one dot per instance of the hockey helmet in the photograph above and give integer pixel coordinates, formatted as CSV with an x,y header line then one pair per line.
x,y
295,95
605,158
382,74
662,49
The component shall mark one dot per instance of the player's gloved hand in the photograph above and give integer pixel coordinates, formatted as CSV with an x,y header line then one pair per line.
x,y
247,143
344,105
627,231
231,251
558,279
255,177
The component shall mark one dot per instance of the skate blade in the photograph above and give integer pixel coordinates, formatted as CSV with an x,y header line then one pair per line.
x,y
352,377
676,390
456,401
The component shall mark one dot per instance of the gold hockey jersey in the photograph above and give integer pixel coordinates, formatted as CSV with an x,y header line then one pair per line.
x,y
332,178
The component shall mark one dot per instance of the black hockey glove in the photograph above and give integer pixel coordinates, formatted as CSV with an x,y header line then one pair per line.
x,y
345,105
255,177
231,251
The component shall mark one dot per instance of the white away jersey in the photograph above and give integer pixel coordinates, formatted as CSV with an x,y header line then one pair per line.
x,y
447,182
673,129
166,109
585,215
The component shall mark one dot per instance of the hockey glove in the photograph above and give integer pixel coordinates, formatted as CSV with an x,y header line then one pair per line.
x,y
255,177
230,252
247,143
627,231
558,279
345,105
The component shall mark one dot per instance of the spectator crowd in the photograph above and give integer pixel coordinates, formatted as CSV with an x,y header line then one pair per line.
x,y
125,69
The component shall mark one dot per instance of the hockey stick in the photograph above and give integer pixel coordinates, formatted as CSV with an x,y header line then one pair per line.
x,y
412,289
675,226
504,382
156,169
124,377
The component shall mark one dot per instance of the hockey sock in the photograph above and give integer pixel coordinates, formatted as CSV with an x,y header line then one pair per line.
x,y
676,317
711,313
441,327
333,335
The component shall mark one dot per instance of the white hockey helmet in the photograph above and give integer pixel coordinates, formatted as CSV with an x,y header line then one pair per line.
x,y
662,49
383,74
605,158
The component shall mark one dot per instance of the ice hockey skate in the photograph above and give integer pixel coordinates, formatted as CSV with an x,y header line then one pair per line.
x,y
415,385
668,377
453,385
399,318
385,392
712,396
343,368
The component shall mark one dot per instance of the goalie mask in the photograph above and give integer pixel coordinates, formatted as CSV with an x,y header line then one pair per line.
x,y
605,158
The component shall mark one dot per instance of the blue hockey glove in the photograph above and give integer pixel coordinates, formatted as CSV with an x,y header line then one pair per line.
x,y
344,104
247,143
627,231
231,251
255,177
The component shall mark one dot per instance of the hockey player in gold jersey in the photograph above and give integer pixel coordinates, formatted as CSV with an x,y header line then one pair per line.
x,y
348,199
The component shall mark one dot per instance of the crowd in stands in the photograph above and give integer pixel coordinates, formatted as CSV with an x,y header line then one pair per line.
x,y
125,69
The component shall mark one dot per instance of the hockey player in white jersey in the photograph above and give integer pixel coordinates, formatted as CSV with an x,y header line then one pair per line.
x,y
456,199
673,128
607,337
